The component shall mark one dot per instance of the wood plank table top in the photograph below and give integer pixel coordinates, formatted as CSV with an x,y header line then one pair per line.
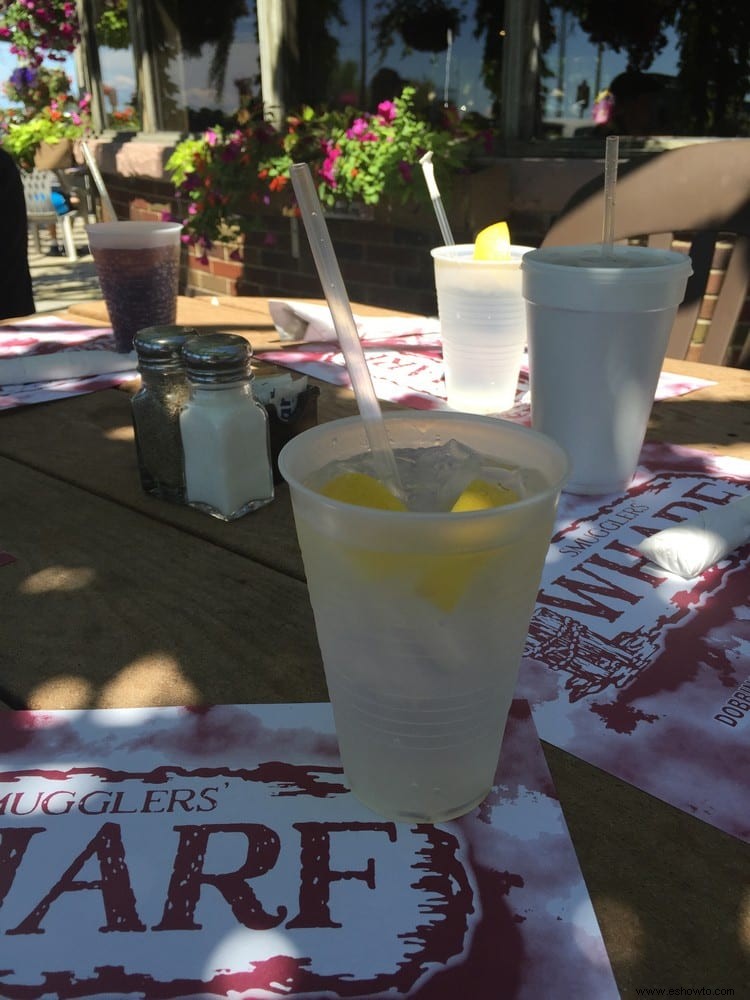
x,y
117,599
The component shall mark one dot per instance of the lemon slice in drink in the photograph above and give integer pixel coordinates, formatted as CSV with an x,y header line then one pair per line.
x,y
441,580
493,243
361,490
481,495
449,576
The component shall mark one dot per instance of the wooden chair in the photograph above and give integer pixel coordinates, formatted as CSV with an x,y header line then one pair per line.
x,y
40,211
698,193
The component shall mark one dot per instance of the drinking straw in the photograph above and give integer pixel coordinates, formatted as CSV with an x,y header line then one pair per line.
x,y
346,328
610,179
437,202
107,206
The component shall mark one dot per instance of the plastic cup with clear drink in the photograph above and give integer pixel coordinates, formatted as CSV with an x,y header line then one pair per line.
x,y
598,326
422,616
138,266
482,326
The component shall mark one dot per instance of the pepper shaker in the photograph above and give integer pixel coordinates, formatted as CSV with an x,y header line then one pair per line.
x,y
224,429
156,410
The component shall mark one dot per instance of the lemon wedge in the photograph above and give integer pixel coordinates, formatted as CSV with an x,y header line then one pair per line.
x,y
481,495
493,242
361,490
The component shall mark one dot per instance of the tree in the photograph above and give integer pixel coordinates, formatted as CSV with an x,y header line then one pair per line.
x,y
714,68
637,27
714,45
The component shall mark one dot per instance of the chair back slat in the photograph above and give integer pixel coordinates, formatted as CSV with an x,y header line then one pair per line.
x,y
702,190
729,303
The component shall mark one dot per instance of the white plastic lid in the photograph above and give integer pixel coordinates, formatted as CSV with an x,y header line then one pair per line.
x,y
132,235
632,279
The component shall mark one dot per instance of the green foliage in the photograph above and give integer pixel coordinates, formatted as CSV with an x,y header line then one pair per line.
x,y
355,158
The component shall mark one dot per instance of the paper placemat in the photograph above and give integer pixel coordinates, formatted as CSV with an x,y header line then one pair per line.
x,y
46,357
634,669
409,370
218,852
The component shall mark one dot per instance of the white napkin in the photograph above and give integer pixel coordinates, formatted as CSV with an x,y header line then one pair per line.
x,y
308,321
689,548
64,365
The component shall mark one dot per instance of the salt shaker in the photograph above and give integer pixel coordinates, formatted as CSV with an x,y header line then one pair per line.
x,y
224,429
156,410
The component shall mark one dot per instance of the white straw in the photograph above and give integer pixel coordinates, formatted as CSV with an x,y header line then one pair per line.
x,y
437,202
107,206
610,179
346,328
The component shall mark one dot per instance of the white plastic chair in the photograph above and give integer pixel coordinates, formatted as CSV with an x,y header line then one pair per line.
x,y
40,209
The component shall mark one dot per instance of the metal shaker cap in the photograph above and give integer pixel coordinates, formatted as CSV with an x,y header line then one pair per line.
x,y
159,348
217,357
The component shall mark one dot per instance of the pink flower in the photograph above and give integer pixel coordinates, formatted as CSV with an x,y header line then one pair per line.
x,y
387,111
327,169
360,129
211,137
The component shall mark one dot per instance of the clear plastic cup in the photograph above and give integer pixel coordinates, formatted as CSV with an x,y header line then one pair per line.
x,y
482,326
138,266
422,617
598,330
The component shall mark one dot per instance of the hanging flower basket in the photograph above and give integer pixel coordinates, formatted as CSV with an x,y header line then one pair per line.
x,y
428,31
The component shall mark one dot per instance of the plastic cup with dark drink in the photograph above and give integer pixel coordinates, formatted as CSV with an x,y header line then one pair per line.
x,y
138,266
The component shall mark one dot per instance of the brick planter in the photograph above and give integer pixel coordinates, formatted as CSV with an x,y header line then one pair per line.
x,y
381,264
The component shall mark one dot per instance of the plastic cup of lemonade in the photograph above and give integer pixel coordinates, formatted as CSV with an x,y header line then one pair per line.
x,y
422,616
482,326
598,328
138,266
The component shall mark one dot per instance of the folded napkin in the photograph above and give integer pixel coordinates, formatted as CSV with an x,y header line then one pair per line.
x,y
64,365
689,548
308,321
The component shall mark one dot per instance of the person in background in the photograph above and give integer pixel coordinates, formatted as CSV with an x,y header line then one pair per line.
x,y
63,203
634,105
16,295
583,96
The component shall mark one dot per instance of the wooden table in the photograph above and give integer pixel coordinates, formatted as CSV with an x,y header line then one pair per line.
x,y
117,599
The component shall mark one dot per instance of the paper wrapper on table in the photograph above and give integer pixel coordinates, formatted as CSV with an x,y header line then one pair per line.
x,y
64,365
689,548
307,321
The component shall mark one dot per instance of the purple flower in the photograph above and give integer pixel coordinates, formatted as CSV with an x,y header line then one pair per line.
x,y
230,153
22,77
405,170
